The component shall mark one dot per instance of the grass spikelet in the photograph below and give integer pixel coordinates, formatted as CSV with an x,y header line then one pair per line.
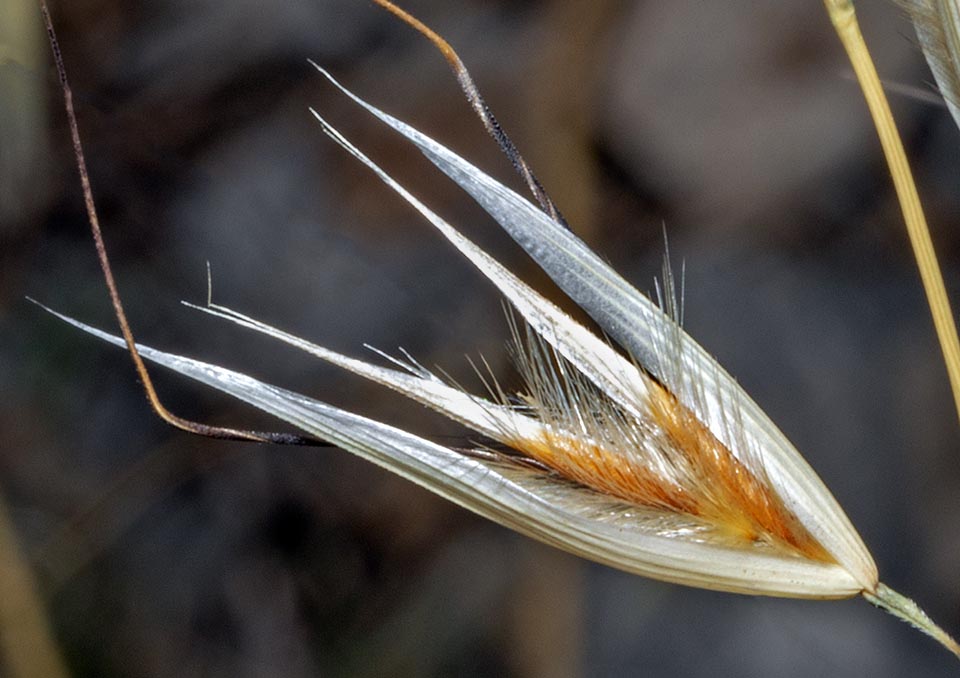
x,y
657,463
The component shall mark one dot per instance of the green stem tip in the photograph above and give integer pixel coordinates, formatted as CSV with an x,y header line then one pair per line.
x,y
906,610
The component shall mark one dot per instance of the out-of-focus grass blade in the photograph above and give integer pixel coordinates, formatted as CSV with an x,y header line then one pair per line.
x,y
937,23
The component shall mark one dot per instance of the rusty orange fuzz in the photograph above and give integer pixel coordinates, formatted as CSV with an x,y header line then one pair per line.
x,y
669,461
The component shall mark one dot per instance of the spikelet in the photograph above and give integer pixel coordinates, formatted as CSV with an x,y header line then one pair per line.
x,y
657,464
937,23
665,443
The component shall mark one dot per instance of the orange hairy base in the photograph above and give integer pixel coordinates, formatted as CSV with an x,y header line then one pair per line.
x,y
744,502
708,482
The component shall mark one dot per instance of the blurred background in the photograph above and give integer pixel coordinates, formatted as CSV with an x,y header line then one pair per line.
x,y
734,126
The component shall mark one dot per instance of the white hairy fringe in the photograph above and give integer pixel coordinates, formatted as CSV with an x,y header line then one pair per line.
x,y
642,540
937,23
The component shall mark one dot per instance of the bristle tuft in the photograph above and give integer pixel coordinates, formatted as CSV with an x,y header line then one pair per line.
x,y
668,460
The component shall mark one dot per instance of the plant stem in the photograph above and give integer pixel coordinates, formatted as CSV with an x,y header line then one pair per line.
x,y
845,22
906,610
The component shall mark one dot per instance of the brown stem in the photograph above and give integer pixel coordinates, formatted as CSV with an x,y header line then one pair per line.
x,y
158,407
482,110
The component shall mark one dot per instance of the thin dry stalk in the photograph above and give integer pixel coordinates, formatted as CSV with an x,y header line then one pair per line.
x,y
93,219
844,20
